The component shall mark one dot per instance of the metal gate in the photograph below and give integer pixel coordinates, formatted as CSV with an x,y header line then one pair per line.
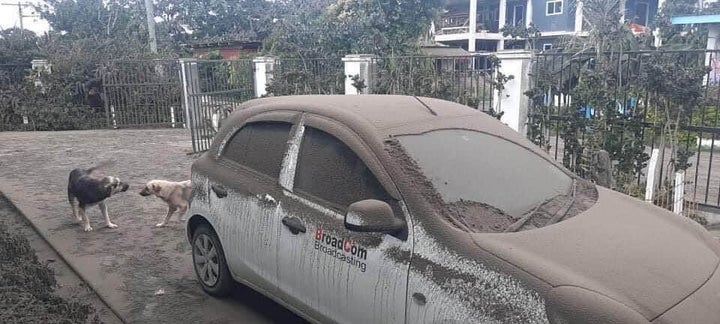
x,y
143,93
212,89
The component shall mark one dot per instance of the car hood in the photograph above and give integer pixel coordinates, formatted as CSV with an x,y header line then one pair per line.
x,y
637,254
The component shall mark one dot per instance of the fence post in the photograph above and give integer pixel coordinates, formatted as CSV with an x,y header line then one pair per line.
x,y
679,193
512,100
652,175
191,86
264,66
39,66
359,65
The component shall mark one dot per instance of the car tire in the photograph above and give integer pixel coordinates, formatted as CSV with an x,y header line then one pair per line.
x,y
209,262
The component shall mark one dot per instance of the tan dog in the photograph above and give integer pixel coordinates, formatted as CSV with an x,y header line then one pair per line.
x,y
175,194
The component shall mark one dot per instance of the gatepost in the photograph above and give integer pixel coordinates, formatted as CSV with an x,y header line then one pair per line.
x,y
512,100
191,86
360,65
264,66
39,66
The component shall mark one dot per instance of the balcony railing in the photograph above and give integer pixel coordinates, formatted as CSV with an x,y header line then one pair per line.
x,y
459,23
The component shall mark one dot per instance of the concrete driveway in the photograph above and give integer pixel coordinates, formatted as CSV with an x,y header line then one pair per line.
x,y
144,273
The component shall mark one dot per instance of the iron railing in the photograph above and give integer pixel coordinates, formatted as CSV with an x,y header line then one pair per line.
x,y
142,93
214,89
464,79
563,120
300,76
12,85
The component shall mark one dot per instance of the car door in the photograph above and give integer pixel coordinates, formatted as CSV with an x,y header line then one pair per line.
x,y
244,187
332,273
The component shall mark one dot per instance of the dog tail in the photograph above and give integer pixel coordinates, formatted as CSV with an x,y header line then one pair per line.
x,y
101,165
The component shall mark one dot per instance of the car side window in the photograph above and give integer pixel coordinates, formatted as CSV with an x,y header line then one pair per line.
x,y
259,146
330,170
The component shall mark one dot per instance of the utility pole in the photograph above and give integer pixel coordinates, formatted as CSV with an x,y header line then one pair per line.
x,y
20,6
149,12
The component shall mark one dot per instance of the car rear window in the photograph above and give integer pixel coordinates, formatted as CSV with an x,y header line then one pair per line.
x,y
328,169
259,146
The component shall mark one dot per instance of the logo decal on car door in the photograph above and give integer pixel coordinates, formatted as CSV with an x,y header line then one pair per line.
x,y
343,249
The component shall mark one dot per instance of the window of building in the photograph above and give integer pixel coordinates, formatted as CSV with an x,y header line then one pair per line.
x,y
554,7
518,15
547,47
641,13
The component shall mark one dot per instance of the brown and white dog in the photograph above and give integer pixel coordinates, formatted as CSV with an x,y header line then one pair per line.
x,y
175,194
86,188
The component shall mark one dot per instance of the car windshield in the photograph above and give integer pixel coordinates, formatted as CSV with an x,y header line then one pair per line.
x,y
488,183
472,166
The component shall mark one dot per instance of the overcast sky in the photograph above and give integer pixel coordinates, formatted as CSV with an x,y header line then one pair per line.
x,y
9,17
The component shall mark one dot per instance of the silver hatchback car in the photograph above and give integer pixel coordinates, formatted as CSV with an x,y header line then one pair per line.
x,y
397,209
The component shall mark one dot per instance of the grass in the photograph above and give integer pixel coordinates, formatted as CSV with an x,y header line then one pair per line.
x,y
27,287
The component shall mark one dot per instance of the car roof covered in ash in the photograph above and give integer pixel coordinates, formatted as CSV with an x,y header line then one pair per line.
x,y
388,115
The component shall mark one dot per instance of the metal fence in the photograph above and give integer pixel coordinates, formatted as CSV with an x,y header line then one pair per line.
x,y
213,89
299,76
464,79
12,83
142,93
632,114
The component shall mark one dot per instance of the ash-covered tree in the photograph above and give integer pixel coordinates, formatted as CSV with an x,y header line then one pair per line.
x,y
330,29
17,49
339,27
195,20
602,74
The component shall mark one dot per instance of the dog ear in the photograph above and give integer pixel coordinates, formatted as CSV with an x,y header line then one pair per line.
x,y
107,184
154,187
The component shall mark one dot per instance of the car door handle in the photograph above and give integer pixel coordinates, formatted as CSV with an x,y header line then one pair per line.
x,y
219,190
267,199
294,224
419,298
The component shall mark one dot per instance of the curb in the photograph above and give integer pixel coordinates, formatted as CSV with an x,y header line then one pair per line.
x,y
64,259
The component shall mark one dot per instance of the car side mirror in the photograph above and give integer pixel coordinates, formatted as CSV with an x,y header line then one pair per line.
x,y
372,216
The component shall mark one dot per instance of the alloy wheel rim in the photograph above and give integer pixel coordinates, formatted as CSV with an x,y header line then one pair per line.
x,y
206,260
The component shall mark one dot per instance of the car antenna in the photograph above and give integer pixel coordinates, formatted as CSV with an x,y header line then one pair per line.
x,y
426,106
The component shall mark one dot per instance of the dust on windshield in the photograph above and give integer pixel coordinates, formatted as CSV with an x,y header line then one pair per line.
x,y
483,183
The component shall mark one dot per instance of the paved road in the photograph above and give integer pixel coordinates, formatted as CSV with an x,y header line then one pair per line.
x,y
127,266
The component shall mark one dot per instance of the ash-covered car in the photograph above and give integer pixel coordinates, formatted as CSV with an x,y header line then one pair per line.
x,y
397,209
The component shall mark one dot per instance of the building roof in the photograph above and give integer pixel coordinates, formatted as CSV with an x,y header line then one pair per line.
x,y
695,19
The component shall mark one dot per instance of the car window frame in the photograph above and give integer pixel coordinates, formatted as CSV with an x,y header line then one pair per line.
x,y
321,123
288,117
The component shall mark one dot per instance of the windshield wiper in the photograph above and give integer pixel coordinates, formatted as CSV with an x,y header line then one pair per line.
x,y
514,227
560,216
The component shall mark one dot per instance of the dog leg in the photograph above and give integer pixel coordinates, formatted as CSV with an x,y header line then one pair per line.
x,y
103,209
82,213
74,205
181,213
171,210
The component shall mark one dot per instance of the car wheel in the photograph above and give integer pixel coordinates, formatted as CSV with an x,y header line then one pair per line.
x,y
209,262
